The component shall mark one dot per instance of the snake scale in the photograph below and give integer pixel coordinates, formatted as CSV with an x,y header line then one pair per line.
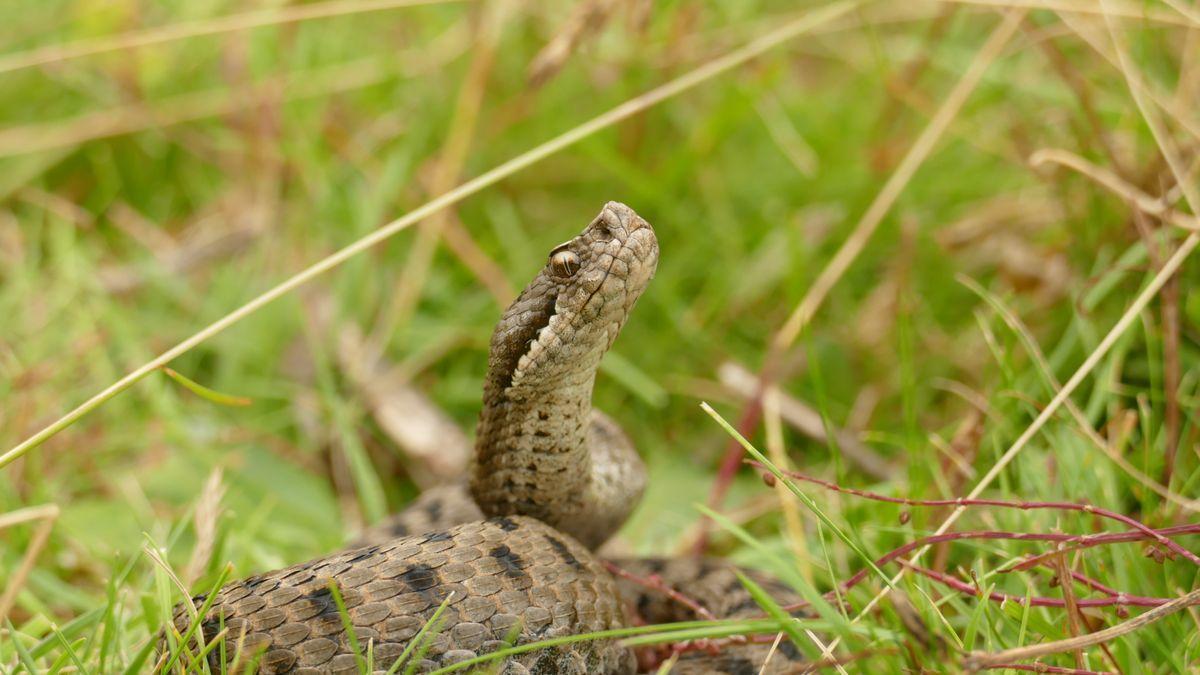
x,y
550,481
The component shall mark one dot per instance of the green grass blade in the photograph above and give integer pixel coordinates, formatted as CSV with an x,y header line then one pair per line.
x,y
347,624
70,631
712,629
634,379
810,594
204,392
976,621
786,623
24,658
800,494
1026,608
69,650
138,662
667,665
941,617
431,624
198,617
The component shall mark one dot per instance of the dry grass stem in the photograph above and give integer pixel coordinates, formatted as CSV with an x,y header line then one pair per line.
x,y
586,19
1162,137
1118,186
208,512
762,670
139,117
141,229
1185,10
787,501
1068,590
180,259
1181,114
1095,133
156,557
46,515
787,137
489,272
980,660
438,448
902,86
952,455
1172,374
1123,10
179,31
815,640
57,205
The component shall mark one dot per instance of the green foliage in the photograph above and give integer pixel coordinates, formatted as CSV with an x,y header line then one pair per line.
x,y
146,192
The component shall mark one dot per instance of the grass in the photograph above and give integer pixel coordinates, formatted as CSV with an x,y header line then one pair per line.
x,y
293,139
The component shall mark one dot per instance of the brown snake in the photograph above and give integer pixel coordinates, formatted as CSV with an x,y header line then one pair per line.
x,y
556,480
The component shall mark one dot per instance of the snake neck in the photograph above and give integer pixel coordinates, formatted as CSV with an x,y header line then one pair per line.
x,y
538,452
532,454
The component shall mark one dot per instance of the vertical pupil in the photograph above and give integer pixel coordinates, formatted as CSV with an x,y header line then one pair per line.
x,y
565,263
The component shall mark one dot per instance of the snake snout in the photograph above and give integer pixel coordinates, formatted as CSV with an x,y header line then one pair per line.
x,y
633,238
621,220
619,214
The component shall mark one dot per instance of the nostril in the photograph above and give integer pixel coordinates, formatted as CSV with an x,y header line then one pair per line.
x,y
605,227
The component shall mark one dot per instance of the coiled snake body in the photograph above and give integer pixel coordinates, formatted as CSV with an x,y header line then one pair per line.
x,y
554,478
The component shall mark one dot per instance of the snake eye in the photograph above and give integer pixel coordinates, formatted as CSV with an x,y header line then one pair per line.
x,y
564,263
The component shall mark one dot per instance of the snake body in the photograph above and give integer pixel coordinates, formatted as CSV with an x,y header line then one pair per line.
x,y
510,552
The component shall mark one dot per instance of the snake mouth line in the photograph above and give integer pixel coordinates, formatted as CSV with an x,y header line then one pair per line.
x,y
607,274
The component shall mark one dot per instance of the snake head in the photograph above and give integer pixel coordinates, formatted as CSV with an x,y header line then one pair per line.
x,y
614,259
538,450
572,311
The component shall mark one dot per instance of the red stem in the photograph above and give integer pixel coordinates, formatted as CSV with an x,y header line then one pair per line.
x,y
656,583
1119,600
734,453
1083,541
1093,584
1024,506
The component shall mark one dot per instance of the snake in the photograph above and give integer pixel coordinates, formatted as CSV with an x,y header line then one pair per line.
x,y
505,556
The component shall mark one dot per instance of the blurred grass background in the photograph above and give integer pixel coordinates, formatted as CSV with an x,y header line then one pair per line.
x,y
146,192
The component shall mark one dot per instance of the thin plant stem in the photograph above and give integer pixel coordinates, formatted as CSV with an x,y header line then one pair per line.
x,y
981,660
1123,10
46,515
